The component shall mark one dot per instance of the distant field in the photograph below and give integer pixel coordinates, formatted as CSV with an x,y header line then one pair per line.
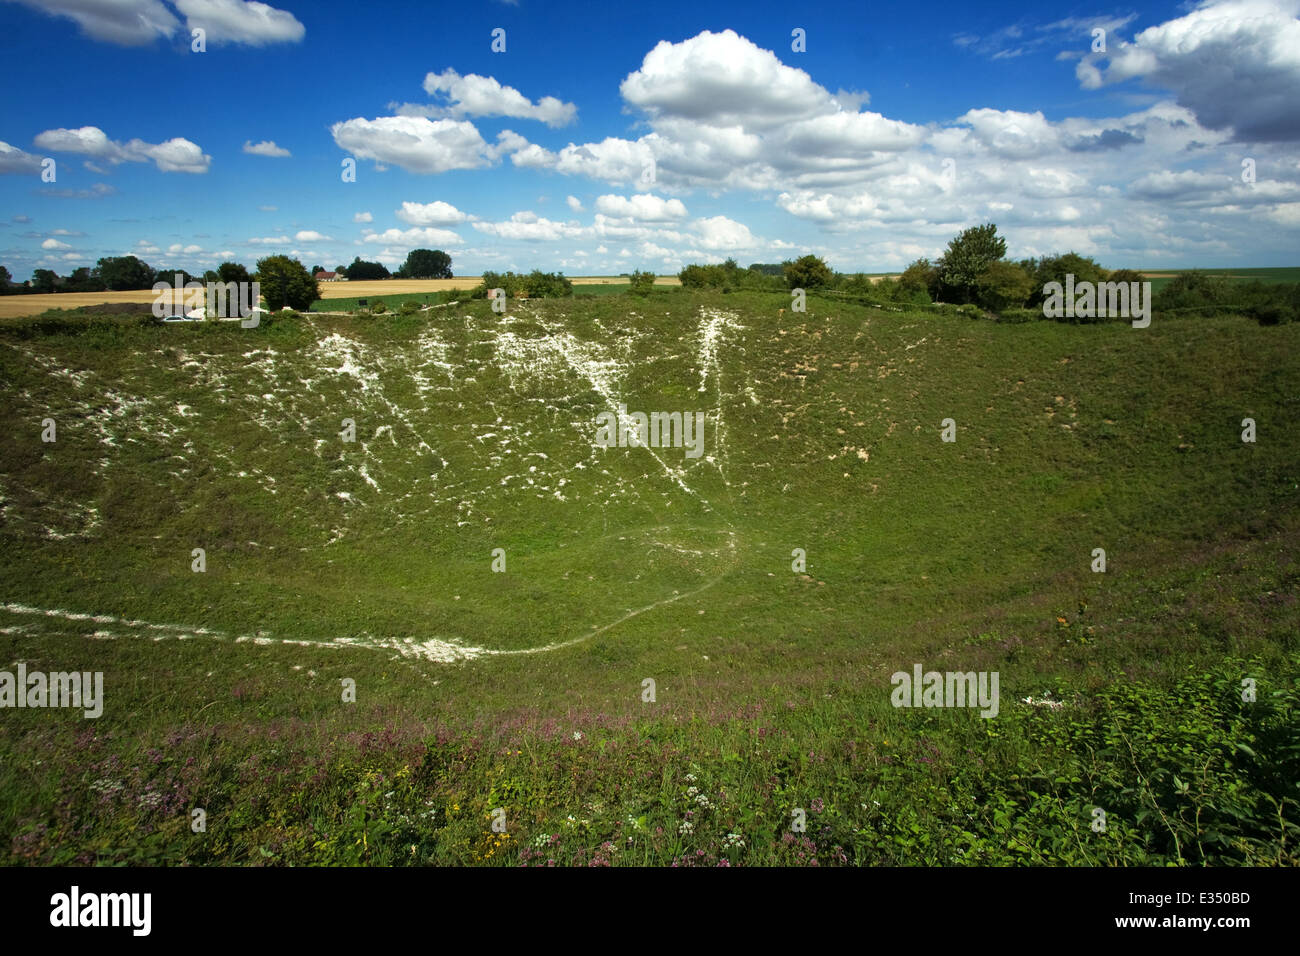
x,y
397,289
1162,277
16,305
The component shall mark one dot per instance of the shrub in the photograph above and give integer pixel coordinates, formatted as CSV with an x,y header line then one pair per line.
x,y
378,307
547,285
1124,275
1269,303
1193,292
508,281
728,276
535,285
1003,285
409,307
694,277
1270,313
920,277
807,272
1056,268
857,283
642,283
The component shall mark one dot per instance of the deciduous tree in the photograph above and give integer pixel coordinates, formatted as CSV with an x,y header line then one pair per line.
x,y
285,281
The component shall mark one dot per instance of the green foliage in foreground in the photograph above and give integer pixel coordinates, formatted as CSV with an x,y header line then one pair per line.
x,y
1184,776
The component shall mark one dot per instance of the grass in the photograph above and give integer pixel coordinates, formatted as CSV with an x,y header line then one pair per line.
x,y
772,687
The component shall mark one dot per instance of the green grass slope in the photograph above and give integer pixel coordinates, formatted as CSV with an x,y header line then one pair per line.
x,y
522,691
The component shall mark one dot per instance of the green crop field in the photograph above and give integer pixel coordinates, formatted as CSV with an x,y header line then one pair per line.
x,y
1278,274
392,302
474,613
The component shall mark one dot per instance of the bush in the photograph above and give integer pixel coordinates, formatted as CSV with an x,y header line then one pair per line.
x,y
286,281
1056,268
1003,285
920,277
1267,303
378,307
1272,314
508,281
1125,275
535,285
547,285
694,277
1193,292
807,272
857,283
729,276
410,307
642,283
1015,316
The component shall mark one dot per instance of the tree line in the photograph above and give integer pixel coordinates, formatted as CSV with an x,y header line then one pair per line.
x,y
974,273
129,273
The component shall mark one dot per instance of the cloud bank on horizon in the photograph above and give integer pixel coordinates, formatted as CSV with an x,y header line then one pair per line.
x,y
689,150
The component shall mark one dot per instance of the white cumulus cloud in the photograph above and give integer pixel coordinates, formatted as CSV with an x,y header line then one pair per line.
x,y
15,160
176,155
528,225
437,213
642,206
474,95
243,22
426,235
1234,63
265,148
140,22
414,143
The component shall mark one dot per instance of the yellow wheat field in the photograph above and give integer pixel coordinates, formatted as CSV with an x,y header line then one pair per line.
x,y
18,305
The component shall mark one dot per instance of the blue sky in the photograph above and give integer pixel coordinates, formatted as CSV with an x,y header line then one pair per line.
x,y
610,137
